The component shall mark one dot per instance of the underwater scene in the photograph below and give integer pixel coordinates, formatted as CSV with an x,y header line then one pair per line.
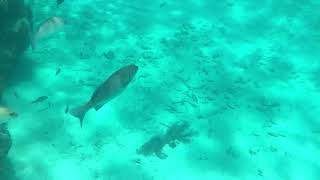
x,y
159,89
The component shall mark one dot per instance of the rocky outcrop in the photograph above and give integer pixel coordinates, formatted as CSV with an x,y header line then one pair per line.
x,y
5,141
179,132
15,30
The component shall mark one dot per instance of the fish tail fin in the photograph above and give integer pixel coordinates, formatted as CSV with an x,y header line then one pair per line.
x,y
79,112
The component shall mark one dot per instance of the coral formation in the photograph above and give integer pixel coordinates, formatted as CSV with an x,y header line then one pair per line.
x,y
15,30
177,132
3,6
5,141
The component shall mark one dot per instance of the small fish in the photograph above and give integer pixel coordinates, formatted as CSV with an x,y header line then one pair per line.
x,y
137,161
59,2
58,71
67,109
43,109
109,89
109,55
47,28
163,4
6,114
39,99
16,94
275,134
165,125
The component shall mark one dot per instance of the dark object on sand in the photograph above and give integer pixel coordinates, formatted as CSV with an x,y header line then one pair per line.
x,y
177,132
154,146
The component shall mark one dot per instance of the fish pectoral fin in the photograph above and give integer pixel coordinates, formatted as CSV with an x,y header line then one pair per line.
x,y
98,107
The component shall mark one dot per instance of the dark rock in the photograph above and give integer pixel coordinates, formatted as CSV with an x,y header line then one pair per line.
x,y
15,29
177,132
153,146
5,141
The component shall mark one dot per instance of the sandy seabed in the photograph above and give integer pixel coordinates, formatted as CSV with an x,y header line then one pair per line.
x,y
245,75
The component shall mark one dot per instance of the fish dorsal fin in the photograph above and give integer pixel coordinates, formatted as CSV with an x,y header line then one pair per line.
x,y
98,107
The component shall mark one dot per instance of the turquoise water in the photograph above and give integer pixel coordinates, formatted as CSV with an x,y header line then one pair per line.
x,y
244,75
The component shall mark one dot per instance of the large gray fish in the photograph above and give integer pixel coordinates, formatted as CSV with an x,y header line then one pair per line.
x,y
108,90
